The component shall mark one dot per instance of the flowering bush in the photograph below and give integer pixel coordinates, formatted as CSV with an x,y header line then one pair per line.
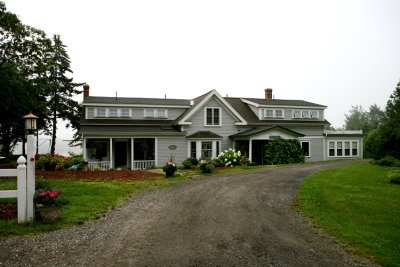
x,y
230,158
49,198
169,168
206,166
58,162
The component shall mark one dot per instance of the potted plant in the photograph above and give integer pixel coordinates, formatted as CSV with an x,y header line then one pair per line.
x,y
49,203
169,168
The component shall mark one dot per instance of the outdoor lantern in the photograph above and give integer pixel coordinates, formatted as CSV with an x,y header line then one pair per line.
x,y
30,122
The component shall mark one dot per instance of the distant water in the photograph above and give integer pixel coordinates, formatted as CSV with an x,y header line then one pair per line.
x,y
62,147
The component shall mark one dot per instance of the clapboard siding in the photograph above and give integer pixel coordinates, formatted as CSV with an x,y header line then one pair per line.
x,y
165,153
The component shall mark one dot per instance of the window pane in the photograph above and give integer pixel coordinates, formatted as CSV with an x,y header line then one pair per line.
x,y
279,113
354,150
193,150
268,113
113,112
149,112
124,112
161,113
339,150
216,116
331,144
347,148
101,112
305,113
206,150
296,113
331,152
209,116
314,114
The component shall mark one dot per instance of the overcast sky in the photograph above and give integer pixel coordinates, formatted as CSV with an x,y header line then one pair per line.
x,y
335,53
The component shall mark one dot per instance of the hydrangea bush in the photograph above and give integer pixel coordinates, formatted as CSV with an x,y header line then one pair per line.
x,y
230,158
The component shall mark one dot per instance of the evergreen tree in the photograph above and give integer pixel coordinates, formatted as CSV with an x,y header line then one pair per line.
x,y
61,89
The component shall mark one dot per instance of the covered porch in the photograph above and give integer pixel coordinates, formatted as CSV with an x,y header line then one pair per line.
x,y
252,142
119,153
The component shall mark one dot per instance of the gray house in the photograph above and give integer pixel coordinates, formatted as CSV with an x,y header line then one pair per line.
x,y
138,133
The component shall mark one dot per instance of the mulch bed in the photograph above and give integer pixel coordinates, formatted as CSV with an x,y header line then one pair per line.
x,y
8,211
122,175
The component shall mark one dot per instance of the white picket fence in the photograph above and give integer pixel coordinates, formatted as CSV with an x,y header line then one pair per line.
x,y
23,201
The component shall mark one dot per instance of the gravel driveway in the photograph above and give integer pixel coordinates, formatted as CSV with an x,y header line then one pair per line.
x,y
241,219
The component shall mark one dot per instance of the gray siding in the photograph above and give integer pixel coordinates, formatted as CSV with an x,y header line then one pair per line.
x,y
164,153
228,124
316,148
308,130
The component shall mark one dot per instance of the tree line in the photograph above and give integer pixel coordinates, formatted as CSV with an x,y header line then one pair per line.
x,y
35,76
381,127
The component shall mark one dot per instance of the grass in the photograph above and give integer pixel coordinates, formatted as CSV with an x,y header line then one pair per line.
x,y
89,200
359,206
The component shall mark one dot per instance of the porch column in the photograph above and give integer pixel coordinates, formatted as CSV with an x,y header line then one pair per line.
x,y
155,152
132,155
250,149
111,154
84,148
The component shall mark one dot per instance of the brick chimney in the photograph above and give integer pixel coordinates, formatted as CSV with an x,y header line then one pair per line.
x,y
268,93
85,90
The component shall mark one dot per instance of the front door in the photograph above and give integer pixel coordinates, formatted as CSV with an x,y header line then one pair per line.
x,y
258,151
121,153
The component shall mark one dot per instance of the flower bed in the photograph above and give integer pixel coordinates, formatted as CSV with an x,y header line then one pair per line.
x,y
126,175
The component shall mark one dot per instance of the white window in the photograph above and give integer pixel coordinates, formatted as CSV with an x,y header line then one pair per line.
x,y
149,113
156,113
113,112
269,113
161,113
273,113
100,112
206,150
296,113
125,112
212,117
305,113
279,113
314,113
343,149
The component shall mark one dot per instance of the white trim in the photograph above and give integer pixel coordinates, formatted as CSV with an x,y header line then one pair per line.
x,y
155,113
335,148
205,117
274,116
250,102
204,101
155,150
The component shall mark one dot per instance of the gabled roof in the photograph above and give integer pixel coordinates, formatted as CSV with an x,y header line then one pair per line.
x,y
280,102
135,101
254,131
204,135
200,101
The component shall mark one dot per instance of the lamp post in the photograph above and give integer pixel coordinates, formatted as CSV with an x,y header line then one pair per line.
x,y
30,127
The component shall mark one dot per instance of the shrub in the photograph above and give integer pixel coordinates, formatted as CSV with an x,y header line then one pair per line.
x,y
230,158
187,164
206,166
388,161
283,151
194,161
395,177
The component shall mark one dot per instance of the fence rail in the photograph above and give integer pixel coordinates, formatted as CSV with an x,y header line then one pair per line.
x,y
99,165
21,192
143,164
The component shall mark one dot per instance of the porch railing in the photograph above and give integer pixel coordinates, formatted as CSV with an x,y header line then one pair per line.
x,y
143,164
99,165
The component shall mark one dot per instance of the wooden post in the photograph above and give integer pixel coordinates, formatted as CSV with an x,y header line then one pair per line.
x,y
21,190
30,176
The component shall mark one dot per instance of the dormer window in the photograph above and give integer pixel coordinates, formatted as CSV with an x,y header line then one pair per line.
x,y
212,117
273,113
100,112
113,112
155,113
297,113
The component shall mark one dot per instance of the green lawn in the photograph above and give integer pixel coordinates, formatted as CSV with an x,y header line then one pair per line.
x,y
89,200
359,206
